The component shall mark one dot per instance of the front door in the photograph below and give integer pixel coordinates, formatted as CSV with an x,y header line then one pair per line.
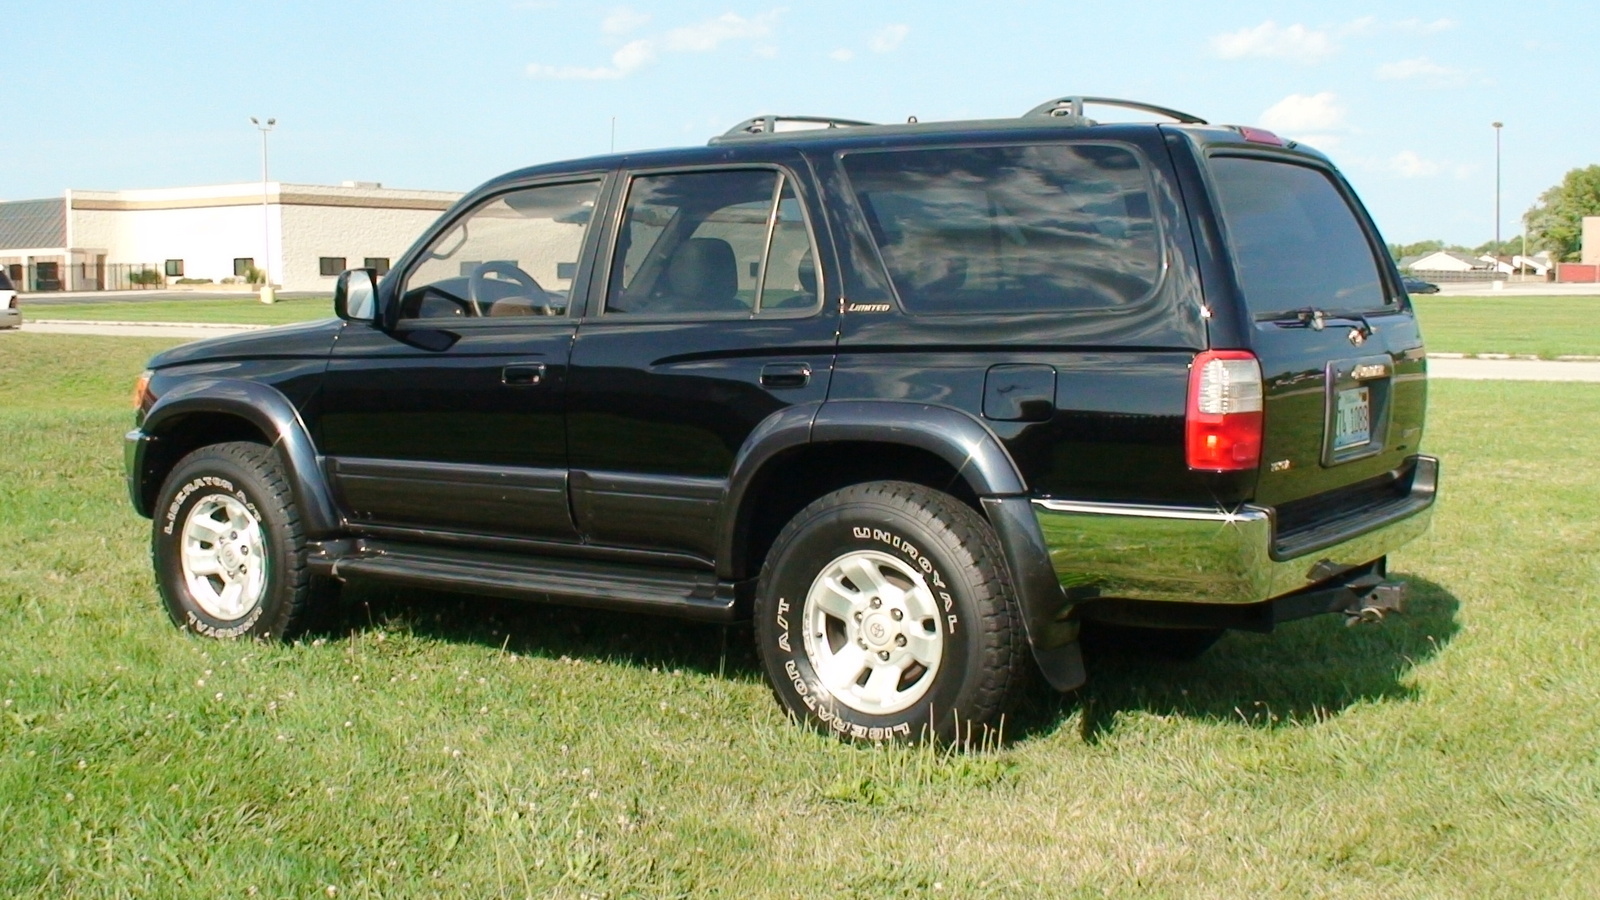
x,y
452,422
710,319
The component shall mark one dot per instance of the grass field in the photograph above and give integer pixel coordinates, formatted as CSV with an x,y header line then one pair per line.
x,y
243,310
1544,326
439,746
1547,327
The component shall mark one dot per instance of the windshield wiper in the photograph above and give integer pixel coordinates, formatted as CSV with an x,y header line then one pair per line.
x,y
1316,319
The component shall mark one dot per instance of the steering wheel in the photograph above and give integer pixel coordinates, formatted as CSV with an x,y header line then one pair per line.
x,y
480,293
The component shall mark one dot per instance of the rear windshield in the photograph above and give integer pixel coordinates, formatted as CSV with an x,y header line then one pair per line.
x,y
1296,241
1034,228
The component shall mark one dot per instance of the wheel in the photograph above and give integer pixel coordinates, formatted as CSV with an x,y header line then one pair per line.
x,y
1163,643
227,546
884,612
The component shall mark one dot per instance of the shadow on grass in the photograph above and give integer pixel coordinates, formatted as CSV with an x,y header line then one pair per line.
x,y
1304,672
541,630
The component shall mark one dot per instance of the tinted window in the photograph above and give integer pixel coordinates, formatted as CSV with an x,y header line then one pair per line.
x,y
1296,241
712,243
1011,229
504,258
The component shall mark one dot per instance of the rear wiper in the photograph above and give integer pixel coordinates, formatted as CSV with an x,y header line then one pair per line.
x,y
1316,319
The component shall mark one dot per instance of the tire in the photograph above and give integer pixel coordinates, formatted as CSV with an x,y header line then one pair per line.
x,y
227,546
884,613
1176,644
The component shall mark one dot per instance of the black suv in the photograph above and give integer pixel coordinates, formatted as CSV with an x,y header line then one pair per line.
x,y
921,399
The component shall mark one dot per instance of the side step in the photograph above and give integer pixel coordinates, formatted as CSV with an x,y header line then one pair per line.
x,y
684,593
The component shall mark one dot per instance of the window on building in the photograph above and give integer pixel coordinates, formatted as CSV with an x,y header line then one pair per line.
x,y
242,266
174,268
330,265
380,263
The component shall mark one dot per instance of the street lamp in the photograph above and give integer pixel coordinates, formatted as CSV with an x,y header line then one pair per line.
x,y
1497,127
267,295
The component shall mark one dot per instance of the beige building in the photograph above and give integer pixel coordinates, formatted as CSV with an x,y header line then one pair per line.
x,y
1590,245
303,236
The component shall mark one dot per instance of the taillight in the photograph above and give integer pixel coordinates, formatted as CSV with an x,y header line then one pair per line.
x,y
1260,136
1223,421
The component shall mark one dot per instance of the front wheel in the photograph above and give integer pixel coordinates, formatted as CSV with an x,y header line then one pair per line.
x,y
228,548
884,612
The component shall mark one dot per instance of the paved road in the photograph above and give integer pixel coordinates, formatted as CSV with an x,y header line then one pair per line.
x,y
1474,369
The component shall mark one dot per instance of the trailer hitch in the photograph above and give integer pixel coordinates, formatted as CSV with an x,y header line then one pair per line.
x,y
1385,597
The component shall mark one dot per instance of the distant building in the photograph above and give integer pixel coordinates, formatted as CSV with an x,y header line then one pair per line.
x,y
1447,261
1589,251
107,240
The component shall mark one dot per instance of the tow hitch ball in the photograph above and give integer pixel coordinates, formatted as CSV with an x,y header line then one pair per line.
x,y
1383,598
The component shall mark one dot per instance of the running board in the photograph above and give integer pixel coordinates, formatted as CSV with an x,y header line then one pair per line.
x,y
683,593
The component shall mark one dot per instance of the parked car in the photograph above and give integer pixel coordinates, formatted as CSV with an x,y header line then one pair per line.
x,y
1418,286
10,309
923,400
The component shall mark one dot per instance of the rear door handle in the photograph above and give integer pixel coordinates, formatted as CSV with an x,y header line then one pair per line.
x,y
523,374
785,375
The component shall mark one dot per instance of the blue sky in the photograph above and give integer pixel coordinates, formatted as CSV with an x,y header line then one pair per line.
x,y
447,94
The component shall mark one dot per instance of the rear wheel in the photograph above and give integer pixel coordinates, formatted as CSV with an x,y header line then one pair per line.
x,y
227,545
884,613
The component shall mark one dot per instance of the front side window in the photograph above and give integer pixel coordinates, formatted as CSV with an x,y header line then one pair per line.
x,y
1296,242
1012,229
511,256
708,243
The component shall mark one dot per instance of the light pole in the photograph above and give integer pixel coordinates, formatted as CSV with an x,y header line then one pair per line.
x,y
1497,127
267,294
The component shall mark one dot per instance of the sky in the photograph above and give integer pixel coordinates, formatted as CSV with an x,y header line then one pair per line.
x,y
445,95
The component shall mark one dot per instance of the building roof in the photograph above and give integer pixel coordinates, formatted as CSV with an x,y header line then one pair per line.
x,y
33,224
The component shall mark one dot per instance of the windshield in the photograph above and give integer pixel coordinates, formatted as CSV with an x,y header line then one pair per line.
x,y
1296,241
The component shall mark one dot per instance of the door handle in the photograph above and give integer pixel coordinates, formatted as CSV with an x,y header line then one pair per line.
x,y
785,375
523,374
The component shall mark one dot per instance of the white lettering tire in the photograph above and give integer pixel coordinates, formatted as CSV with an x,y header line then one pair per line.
x,y
227,546
884,612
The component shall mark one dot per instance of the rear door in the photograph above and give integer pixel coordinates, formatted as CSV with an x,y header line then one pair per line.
x,y
1341,355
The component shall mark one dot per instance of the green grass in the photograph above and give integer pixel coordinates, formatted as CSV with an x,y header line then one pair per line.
x,y
1546,327
442,746
243,310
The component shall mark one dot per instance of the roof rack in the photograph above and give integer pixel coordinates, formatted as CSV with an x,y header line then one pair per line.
x,y
1072,107
774,124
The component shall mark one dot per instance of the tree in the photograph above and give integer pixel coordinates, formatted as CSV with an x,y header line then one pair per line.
x,y
1556,223
1401,251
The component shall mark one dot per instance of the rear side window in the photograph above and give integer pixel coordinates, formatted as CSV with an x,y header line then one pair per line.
x,y
5,282
1296,242
1033,228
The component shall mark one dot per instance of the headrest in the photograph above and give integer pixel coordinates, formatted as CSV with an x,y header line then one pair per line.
x,y
704,268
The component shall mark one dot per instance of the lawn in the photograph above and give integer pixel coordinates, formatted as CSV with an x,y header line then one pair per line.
x,y
243,310
426,745
1546,327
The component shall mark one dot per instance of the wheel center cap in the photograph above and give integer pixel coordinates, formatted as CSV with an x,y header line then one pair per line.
x,y
878,631
230,556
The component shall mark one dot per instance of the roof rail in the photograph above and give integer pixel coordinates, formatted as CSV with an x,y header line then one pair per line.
x,y
760,125
1072,107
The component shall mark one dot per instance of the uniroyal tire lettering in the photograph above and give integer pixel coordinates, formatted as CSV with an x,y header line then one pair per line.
x,y
919,559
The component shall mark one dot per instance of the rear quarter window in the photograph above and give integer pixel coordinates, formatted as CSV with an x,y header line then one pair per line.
x,y
1295,240
1011,229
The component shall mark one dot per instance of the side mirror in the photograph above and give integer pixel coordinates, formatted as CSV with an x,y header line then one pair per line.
x,y
355,296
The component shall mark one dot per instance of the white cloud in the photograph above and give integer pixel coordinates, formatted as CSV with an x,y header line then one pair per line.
x,y
1409,164
843,54
623,20
707,35
1269,39
1421,69
888,39
700,37
1301,115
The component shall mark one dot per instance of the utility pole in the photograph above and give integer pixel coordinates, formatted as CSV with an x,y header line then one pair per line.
x,y
1497,127
267,293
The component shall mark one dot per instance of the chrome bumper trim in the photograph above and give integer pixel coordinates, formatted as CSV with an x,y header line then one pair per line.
x,y
1200,554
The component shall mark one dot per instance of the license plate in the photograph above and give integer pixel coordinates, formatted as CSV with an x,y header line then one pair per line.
x,y
1352,421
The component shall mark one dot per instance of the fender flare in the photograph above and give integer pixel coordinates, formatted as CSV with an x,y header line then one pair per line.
x,y
276,417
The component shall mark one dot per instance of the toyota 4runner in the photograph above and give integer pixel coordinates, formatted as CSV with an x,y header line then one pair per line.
x,y
922,399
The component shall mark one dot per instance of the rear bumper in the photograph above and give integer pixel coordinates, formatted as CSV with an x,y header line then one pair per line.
x,y
1214,555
